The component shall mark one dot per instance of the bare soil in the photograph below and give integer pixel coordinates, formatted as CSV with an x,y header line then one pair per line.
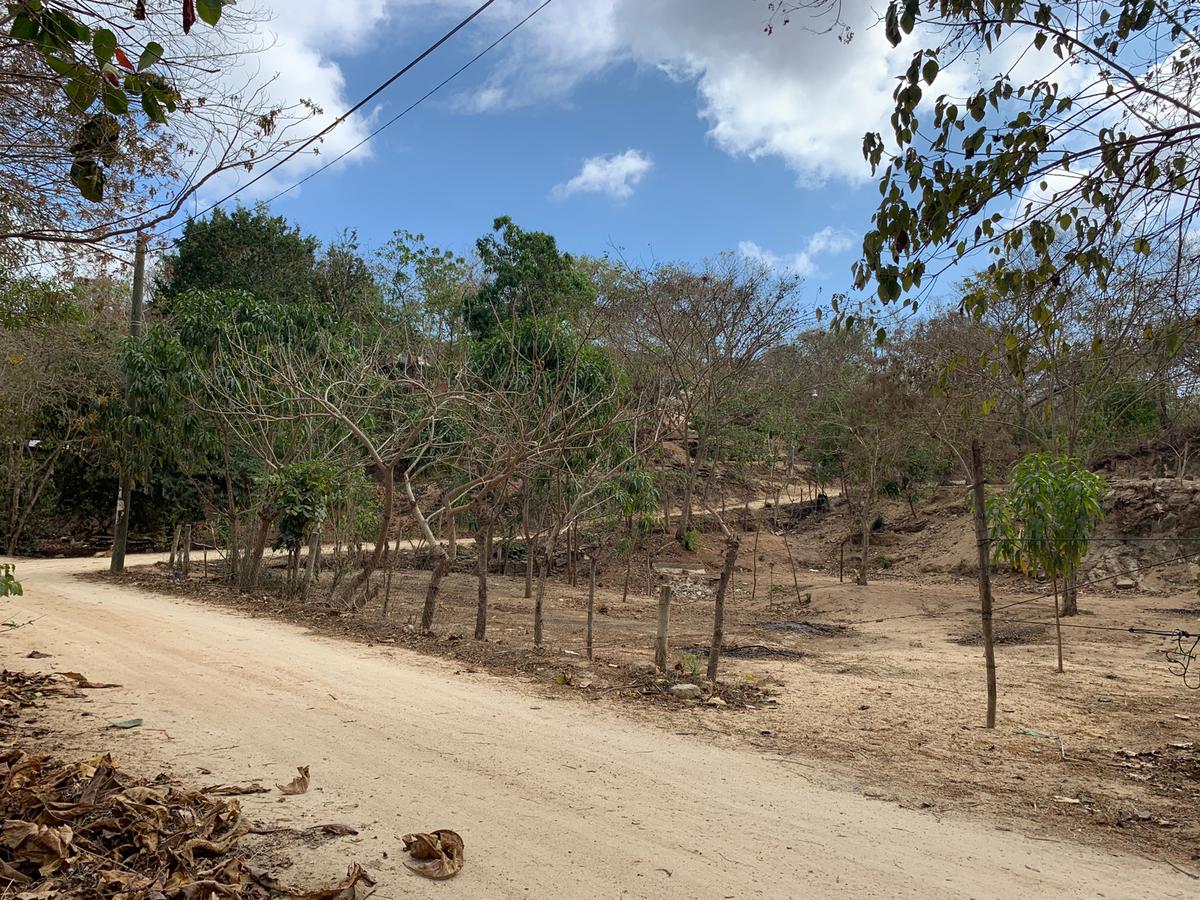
x,y
632,793
882,685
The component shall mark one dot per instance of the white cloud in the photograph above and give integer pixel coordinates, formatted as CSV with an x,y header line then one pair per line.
x,y
797,95
804,98
288,51
615,175
827,241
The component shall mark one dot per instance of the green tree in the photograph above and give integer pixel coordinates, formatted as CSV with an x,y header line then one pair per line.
x,y
80,49
1051,178
525,276
1044,522
246,250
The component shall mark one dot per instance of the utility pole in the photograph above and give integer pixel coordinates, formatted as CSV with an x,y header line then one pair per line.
x,y
121,526
985,580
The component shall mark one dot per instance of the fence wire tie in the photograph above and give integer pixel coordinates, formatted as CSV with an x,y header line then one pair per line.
x,y
1181,656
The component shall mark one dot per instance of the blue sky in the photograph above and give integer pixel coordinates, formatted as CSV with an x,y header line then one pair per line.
x,y
730,140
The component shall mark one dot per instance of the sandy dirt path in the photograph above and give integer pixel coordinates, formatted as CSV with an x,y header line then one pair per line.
x,y
554,799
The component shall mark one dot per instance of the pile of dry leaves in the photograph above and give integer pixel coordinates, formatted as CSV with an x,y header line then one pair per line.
x,y
86,829
20,690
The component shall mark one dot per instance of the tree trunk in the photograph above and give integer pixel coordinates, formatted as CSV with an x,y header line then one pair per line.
x,y
628,570
685,510
485,558
443,564
187,550
792,563
732,545
1057,625
1070,599
440,571
664,624
310,570
174,548
385,611
252,564
528,548
538,621
754,570
381,540
866,546
985,581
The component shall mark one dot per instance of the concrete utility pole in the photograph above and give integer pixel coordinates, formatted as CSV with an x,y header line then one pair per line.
x,y
121,527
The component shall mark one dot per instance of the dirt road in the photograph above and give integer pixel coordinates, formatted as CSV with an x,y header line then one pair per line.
x,y
553,798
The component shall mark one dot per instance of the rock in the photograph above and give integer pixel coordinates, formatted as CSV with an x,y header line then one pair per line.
x,y
714,701
1125,583
686,691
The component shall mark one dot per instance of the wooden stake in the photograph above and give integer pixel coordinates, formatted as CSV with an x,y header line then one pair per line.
x,y
723,588
664,617
985,580
591,612
1057,623
754,576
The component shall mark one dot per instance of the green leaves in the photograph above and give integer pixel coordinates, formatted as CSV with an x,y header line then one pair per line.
x,y
88,177
64,40
152,55
1052,507
104,45
209,11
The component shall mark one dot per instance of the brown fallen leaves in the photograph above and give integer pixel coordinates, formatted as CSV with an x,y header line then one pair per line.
x,y
298,785
20,690
441,852
87,830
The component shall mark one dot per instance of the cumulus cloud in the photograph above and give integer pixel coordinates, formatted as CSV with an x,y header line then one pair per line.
x,y
615,175
290,52
800,96
827,241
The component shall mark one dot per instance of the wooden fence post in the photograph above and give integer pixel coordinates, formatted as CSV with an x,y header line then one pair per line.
x,y
985,579
591,615
664,616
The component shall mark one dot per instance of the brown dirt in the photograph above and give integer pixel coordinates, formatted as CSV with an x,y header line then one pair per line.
x,y
643,798
883,685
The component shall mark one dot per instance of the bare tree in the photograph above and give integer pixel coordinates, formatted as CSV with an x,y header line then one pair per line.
x,y
695,336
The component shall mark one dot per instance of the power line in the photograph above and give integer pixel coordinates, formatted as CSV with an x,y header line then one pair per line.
x,y
392,121
355,108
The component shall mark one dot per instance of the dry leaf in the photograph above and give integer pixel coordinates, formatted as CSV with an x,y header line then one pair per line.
x,y
357,885
335,828
236,790
81,681
298,785
442,851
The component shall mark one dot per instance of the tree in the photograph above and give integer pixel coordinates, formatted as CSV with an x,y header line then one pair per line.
x,y
110,124
247,250
56,379
1045,520
525,276
82,54
696,337
1057,178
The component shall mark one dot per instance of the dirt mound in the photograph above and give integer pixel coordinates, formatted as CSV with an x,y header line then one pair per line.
x,y
812,629
1007,634
748,651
